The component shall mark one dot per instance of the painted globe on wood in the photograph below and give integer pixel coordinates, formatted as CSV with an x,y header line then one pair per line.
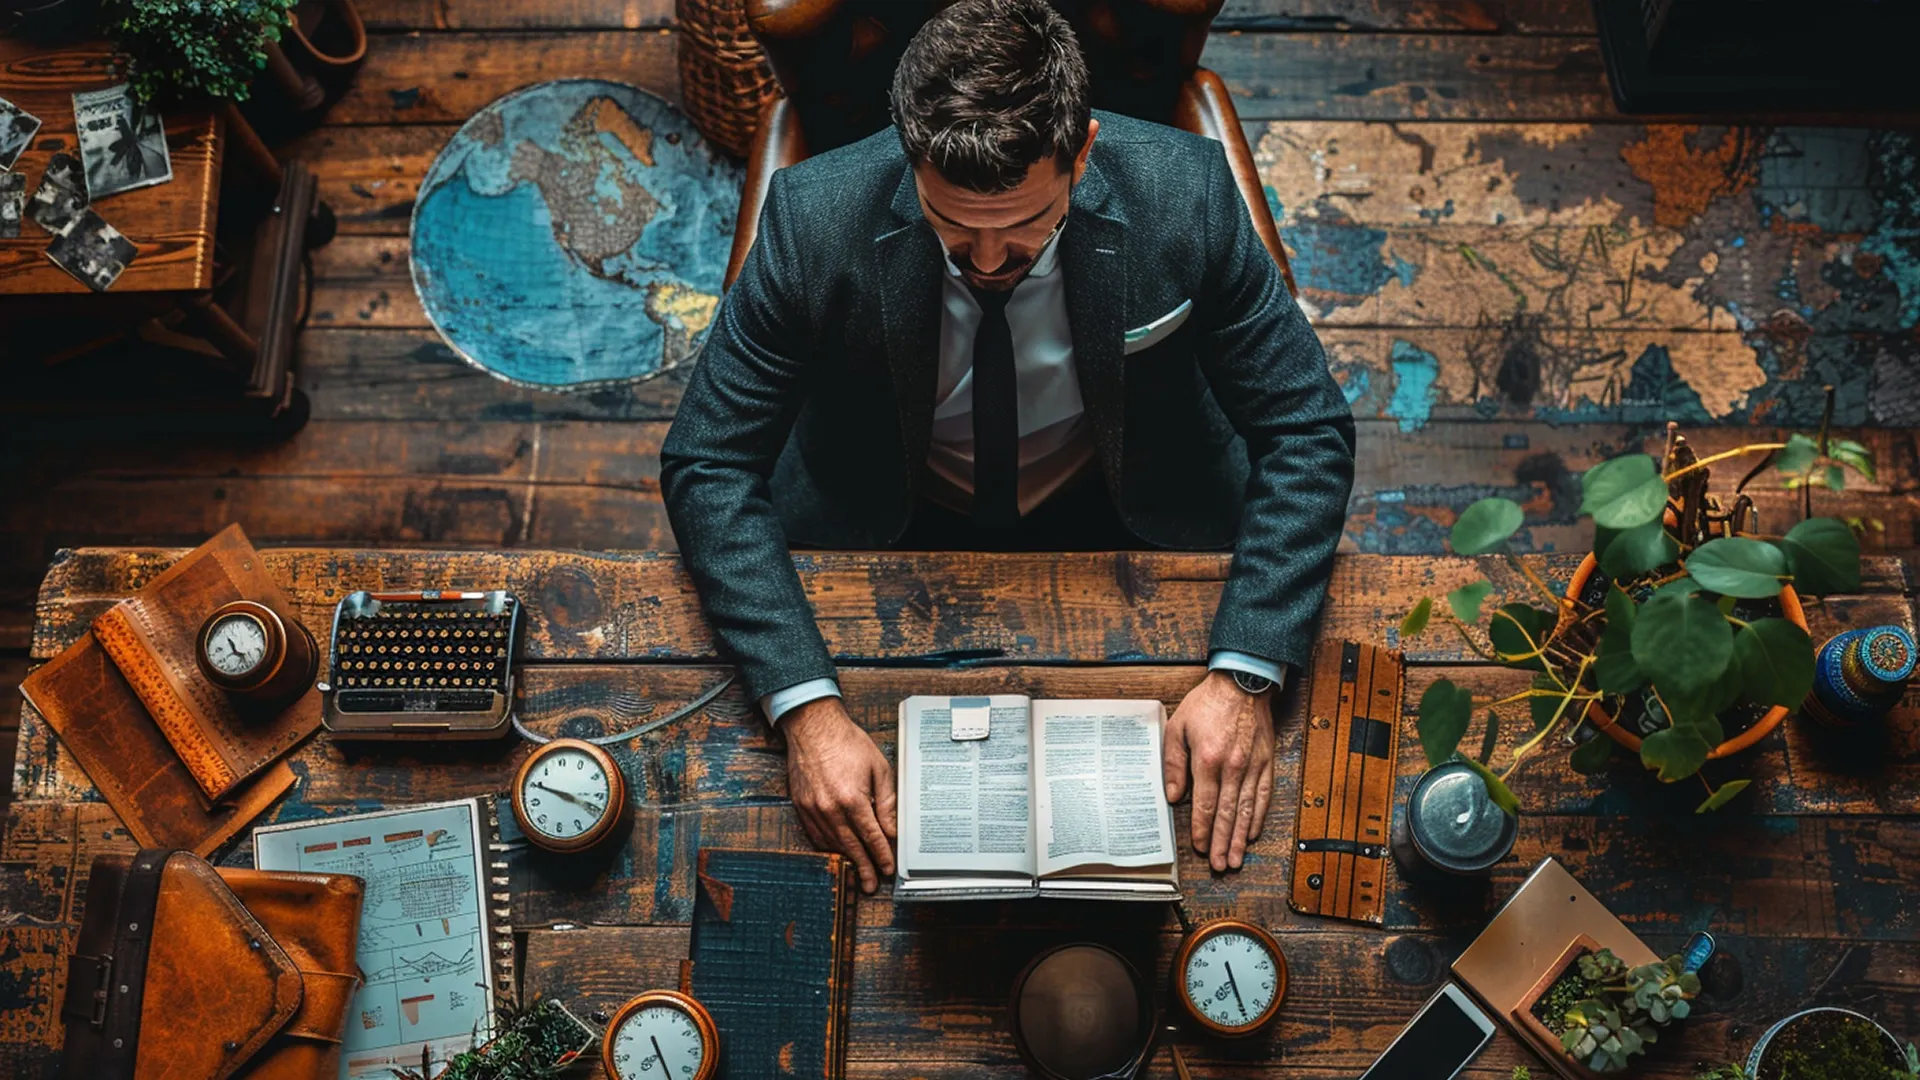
x,y
574,234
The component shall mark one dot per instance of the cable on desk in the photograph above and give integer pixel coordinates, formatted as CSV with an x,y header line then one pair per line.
x,y
699,702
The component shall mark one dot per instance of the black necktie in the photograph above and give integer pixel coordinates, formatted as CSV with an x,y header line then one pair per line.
x,y
996,417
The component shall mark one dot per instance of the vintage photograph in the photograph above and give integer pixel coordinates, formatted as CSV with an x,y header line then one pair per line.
x,y
65,170
123,145
13,203
92,251
16,131
55,206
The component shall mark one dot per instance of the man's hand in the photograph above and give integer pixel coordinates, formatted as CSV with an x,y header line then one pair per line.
x,y
1227,736
842,786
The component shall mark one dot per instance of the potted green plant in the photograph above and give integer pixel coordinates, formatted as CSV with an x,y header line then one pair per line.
x,y
178,50
1830,1044
1600,1011
1681,636
543,1040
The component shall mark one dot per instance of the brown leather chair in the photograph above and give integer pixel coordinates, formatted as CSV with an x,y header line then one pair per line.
x,y
835,62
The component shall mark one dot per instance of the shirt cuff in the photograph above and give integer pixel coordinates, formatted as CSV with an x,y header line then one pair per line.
x,y
1228,660
782,701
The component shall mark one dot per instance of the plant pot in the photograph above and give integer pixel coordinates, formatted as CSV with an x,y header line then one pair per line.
x,y
1602,718
1770,1040
1537,1031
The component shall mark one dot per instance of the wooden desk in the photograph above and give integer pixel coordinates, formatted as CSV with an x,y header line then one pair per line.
x,y
1807,880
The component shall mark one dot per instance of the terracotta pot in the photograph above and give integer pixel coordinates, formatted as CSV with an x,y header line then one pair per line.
x,y
326,34
1602,719
1543,1038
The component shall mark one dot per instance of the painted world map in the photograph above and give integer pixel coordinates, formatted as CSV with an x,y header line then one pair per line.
x,y
574,234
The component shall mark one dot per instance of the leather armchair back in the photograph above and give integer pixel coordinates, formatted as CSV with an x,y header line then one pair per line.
x,y
835,58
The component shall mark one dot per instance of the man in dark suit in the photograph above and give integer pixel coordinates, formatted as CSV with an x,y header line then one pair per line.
x,y
1008,321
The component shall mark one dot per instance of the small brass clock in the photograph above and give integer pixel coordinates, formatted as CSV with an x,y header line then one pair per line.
x,y
1230,977
661,1035
569,796
258,658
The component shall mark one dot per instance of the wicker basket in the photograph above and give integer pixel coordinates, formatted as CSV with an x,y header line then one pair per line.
x,y
724,77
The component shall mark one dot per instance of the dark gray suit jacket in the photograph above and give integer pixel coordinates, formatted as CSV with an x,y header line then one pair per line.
x,y
808,415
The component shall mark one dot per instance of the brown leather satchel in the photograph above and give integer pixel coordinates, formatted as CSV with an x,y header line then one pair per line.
x,y
185,972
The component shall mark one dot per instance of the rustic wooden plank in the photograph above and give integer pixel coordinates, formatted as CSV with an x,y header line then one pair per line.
x,y
445,78
1412,16
516,14
413,375
1109,607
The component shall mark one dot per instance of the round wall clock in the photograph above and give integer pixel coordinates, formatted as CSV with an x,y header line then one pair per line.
x,y
1230,976
661,1035
247,650
569,795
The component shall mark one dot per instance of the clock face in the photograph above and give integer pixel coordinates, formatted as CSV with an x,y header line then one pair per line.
x,y
566,794
1231,979
236,645
657,1042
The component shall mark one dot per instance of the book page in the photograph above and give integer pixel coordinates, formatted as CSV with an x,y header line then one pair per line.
x,y
1100,794
965,807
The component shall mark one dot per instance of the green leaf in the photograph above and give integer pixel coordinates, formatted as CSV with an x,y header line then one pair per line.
x,y
1676,753
1624,492
1614,668
1854,456
1722,795
1603,536
1638,550
1681,642
1823,555
1737,566
1497,789
1466,600
1416,620
1490,741
1485,525
1798,456
1518,631
1836,478
1776,662
1592,756
1445,710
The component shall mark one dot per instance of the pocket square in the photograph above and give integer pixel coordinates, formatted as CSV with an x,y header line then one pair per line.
x,y
1157,331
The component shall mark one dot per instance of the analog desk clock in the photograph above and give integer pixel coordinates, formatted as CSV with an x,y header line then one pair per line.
x,y
661,1035
255,656
569,796
1230,976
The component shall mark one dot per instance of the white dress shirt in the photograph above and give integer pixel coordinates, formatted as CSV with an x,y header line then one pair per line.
x,y
1055,440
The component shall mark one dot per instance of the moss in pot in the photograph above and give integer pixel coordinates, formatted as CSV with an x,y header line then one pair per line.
x,y
1831,1044
1681,637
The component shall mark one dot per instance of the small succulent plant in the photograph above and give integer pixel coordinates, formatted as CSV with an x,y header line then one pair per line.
x,y
1624,1009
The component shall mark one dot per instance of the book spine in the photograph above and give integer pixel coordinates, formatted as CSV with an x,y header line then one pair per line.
x,y
121,632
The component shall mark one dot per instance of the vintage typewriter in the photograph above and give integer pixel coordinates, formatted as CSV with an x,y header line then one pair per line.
x,y
436,664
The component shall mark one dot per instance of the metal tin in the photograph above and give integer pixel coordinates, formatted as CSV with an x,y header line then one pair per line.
x,y
1452,826
1860,674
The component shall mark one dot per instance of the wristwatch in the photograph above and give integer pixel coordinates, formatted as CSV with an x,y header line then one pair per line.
x,y
1251,683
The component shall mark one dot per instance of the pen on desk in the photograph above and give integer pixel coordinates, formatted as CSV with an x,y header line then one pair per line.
x,y
1180,1064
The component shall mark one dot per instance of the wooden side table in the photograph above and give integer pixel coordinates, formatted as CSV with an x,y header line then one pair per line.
x,y
219,298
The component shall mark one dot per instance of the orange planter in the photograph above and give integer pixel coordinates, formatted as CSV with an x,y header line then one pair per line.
x,y
1603,720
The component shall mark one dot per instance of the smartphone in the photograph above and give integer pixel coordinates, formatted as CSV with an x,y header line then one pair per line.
x,y
1449,1031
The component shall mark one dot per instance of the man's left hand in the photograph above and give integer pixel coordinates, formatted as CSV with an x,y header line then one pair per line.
x,y
1226,735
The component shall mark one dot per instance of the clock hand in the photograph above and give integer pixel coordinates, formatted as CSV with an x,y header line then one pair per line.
x,y
1235,987
664,1067
565,795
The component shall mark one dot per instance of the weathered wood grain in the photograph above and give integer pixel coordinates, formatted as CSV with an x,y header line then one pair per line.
x,y
516,14
1101,607
445,78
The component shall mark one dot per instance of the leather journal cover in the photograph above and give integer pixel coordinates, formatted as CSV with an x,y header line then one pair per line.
x,y
83,697
772,958
152,637
182,970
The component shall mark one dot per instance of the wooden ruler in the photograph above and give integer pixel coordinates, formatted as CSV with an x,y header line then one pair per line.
x,y
1340,838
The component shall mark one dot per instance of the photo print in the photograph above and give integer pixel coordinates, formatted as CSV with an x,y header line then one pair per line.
x,y
92,251
13,204
17,127
123,145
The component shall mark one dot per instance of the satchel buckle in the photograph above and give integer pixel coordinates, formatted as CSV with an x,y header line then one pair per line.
x,y
94,1009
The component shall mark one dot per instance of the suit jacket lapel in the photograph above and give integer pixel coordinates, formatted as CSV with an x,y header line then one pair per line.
x,y
1095,263
907,269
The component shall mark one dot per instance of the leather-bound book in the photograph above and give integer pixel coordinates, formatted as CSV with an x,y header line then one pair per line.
x,y
772,958
153,636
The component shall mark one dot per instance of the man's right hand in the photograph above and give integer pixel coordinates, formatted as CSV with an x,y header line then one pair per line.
x,y
842,786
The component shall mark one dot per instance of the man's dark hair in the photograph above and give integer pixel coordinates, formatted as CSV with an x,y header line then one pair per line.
x,y
989,87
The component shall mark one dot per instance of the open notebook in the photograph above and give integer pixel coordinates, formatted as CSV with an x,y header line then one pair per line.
x,y
1062,798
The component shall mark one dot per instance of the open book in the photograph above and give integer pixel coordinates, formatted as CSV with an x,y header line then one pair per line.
x,y
1062,798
